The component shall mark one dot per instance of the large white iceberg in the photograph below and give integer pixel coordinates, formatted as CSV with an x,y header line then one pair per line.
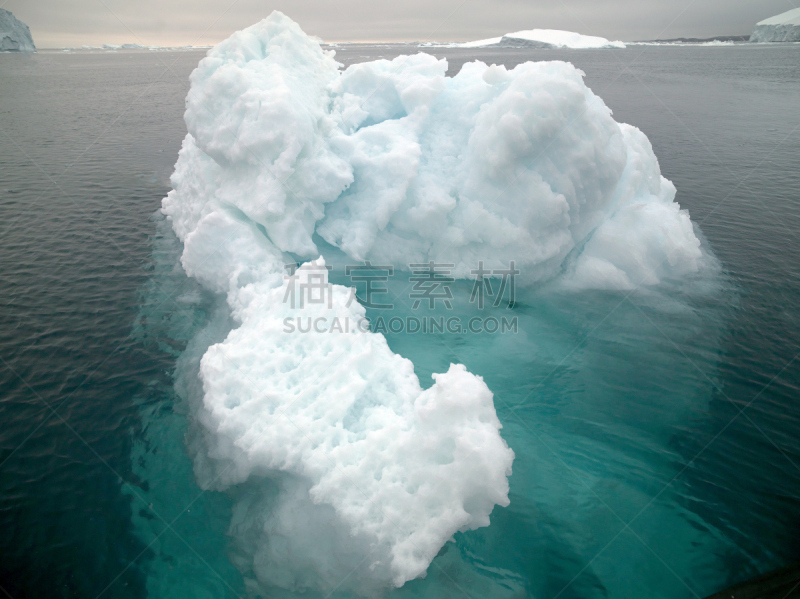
x,y
394,162
784,27
15,36
545,38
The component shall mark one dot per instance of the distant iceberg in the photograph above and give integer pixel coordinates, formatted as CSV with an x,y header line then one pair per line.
x,y
492,41
15,36
784,27
544,38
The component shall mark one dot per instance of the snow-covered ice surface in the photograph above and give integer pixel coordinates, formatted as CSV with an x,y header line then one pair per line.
x,y
784,27
492,41
554,38
15,36
544,38
393,162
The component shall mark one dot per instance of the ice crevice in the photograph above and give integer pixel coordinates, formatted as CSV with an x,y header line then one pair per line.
x,y
346,455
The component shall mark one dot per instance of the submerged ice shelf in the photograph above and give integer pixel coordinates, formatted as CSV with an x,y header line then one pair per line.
x,y
393,162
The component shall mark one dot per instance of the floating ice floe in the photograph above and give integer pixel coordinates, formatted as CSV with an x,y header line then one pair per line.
x,y
394,162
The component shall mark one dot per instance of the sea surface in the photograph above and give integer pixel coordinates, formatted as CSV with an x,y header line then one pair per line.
x,y
657,434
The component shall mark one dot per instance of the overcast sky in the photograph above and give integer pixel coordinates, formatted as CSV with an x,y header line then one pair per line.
x,y
62,23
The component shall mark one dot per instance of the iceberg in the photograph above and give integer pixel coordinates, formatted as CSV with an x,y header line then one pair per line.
x,y
492,41
15,36
545,38
340,459
784,27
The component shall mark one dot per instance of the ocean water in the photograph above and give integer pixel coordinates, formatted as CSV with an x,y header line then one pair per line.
x,y
655,433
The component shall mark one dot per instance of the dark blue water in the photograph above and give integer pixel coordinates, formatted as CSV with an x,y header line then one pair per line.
x,y
656,434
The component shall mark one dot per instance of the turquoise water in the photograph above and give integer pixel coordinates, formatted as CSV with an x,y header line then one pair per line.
x,y
636,474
